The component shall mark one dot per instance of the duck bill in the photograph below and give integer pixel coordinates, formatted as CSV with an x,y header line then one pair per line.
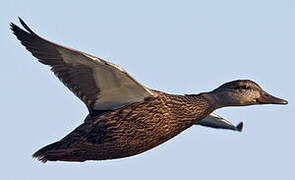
x,y
266,98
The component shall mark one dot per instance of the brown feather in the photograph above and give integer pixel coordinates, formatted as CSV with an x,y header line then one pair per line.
x,y
129,130
77,78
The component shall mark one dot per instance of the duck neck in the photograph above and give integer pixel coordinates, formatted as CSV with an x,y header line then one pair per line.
x,y
213,100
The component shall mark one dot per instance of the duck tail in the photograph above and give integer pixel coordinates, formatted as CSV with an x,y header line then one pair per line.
x,y
56,152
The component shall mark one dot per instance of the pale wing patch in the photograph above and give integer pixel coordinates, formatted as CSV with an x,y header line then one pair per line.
x,y
101,85
117,87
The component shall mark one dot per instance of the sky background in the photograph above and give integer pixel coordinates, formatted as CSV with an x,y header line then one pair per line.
x,y
174,46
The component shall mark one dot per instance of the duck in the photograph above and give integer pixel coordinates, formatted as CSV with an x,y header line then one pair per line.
x,y
125,117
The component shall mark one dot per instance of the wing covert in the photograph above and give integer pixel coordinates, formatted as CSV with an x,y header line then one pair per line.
x,y
101,85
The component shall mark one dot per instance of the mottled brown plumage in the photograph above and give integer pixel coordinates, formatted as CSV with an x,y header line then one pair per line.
x,y
130,130
126,118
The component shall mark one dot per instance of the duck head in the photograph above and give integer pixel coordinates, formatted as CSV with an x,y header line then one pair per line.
x,y
242,93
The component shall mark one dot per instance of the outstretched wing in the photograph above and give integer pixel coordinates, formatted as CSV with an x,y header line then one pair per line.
x,y
101,85
215,121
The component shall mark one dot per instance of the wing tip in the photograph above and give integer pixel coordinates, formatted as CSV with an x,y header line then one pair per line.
x,y
240,126
25,26
13,27
16,29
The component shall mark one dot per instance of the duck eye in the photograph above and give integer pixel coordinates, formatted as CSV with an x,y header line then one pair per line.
x,y
245,87
241,87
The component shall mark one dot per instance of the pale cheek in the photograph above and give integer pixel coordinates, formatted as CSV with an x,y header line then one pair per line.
x,y
249,97
253,96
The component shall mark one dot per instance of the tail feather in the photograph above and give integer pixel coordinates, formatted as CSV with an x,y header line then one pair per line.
x,y
56,152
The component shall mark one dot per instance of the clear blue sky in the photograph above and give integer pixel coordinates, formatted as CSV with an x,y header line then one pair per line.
x,y
177,47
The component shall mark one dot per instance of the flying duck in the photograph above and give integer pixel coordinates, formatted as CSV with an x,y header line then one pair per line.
x,y
125,117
